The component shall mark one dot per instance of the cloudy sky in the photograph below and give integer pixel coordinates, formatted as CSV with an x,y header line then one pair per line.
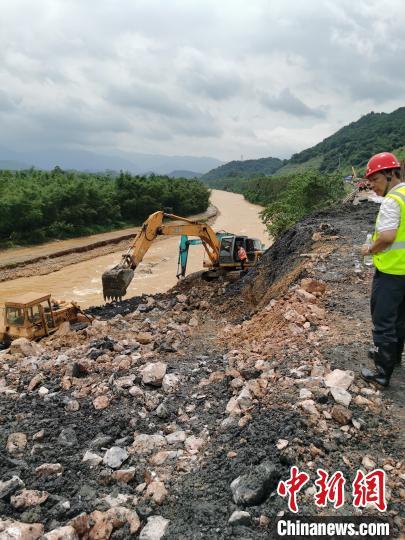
x,y
220,78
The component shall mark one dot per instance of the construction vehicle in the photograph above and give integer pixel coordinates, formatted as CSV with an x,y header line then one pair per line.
x,y
221,250
34,315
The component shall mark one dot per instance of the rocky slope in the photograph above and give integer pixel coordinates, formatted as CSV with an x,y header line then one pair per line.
x,y
178,414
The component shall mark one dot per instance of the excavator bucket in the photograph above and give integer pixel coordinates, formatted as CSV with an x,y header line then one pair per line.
x,y
116,281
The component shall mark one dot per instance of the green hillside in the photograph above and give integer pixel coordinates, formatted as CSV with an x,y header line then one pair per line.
x,y
219,177
355,143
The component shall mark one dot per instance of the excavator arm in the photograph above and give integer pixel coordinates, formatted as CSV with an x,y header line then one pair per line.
x,y
117,279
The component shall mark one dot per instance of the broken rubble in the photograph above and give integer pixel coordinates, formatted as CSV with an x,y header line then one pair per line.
x,y
155,528
101,402
115,457
10,530
309,406
153,373
25,347
342,397
8,487
28,497
339,378
342,415
124,475
91,459
144,443
16,443
254,487
49,469
157,492
62,533
239,517
170,383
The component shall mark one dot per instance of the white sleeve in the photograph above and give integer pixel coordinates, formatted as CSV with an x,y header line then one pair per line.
x,y
389,216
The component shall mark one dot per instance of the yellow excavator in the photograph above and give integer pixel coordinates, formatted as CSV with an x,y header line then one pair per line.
x,y
221,248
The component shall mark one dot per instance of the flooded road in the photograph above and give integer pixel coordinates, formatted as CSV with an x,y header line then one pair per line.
x,y
157,273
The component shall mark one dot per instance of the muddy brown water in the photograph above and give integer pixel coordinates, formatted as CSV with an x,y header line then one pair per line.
x,y
82,281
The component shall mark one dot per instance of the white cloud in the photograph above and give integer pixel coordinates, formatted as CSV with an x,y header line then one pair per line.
x,y
197,76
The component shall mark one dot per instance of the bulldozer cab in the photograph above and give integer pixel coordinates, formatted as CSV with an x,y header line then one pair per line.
x,y
29,315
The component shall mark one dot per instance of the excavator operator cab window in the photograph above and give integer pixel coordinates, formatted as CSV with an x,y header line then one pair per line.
x,y
226,246
15,316
257,244
226,253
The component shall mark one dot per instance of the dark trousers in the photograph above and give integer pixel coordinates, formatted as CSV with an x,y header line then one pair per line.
x,y
388,308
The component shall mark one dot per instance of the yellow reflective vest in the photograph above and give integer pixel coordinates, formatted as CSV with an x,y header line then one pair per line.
x,y
392,259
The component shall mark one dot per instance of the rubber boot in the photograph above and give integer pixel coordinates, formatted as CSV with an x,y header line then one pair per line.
x,y
385,358
400,350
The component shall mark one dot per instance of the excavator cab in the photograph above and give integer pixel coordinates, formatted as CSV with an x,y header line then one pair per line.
x,y
228,256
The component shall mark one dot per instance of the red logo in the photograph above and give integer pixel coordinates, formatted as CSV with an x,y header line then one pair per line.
x,y
370,489
292,487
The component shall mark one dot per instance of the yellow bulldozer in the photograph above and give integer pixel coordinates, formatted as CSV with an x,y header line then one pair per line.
x,y
35,315
221,248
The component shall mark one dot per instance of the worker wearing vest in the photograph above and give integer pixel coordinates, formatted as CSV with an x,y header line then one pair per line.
x,y
388,251
242,256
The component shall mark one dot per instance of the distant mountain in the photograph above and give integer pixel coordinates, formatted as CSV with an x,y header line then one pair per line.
x,y
242,169
352,144
184,174
84,160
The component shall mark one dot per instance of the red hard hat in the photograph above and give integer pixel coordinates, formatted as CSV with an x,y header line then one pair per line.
x,y
381,162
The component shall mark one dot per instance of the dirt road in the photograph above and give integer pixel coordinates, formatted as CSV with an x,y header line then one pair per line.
x,y
81,281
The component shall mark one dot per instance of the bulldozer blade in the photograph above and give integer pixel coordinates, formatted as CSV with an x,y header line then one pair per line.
x,y
115,282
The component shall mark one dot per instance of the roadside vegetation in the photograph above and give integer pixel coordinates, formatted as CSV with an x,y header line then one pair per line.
x,y
36,206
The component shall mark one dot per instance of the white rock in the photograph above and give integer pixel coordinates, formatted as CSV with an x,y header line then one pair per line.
x,y
146,443
154,529
153,373
305,393
368,463
176,437
239,517
282,443
136,392
115,457
240,404
43,391
170,382
124,382
343,397
339,378
193,444
91,459
309,406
